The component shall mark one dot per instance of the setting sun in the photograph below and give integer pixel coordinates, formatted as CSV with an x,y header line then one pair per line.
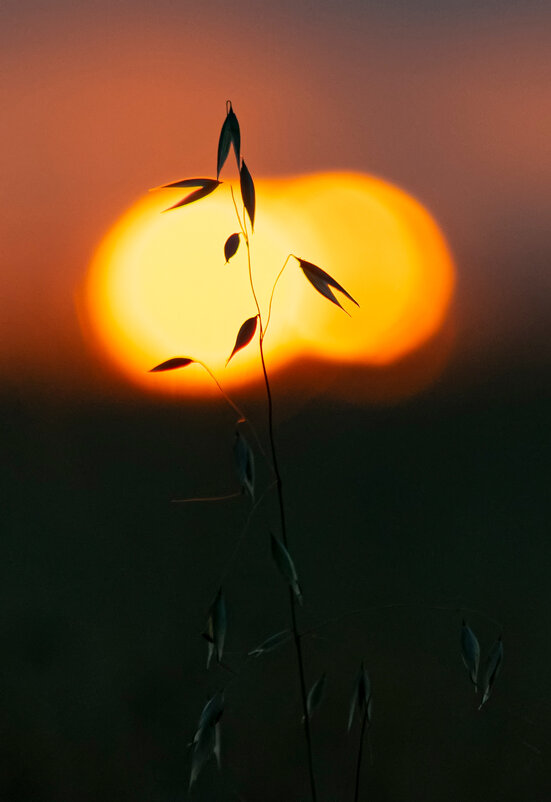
x,y
159,287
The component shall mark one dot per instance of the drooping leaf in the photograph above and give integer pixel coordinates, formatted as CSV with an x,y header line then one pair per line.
x,y
204,741
244,335
370,711
216,628
492,669
229,135
315,695
197,195
361,697
183,183
172,364
470,653
217,745
208,636
203,749
247,191
230,246
235,134
211,713
224,143
322,281
271,643
244,460
286,566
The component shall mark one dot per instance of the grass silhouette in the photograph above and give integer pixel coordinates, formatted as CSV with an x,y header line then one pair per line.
x,y
206,740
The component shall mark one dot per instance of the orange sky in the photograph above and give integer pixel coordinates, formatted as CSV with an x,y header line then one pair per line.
x,y
104,103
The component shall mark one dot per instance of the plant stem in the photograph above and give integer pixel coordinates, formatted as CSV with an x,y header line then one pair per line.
x,y
359,761
292,599
279,484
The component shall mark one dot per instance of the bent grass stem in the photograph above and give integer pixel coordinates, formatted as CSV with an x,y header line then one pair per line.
x,y
279,485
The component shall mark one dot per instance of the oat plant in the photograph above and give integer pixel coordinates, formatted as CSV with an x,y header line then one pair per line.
x,y
206,741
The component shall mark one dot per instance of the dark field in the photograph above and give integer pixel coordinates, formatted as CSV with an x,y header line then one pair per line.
x,y
436,502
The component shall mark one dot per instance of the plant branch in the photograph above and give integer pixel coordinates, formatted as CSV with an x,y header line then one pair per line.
x,y
272,295
398,606
206,498
242,417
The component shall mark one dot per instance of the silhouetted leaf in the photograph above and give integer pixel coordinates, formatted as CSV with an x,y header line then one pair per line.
x,y
211,712
244,335
172,364
271,643
315,696
321,281
470,653
492,669
229,135
286,566
217,746
203,749
197,195
370,710
244,460
204,741
216,628
224,143
203,183
209,637
235,134
230,246
247,192
361,697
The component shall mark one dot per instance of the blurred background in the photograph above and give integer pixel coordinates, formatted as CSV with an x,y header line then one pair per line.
x,y
429,507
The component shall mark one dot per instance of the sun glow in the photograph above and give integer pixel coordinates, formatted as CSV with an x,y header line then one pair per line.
x,y
158,286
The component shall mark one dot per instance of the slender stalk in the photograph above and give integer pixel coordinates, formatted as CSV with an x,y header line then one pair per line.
x,y
375,608
272,295
279,485
359,761
206,498
242,417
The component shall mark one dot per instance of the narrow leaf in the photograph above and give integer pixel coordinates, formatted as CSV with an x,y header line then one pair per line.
x,y
216,628
286,566
195,196
271,643
172,364
370,711
219,624
247,192
211,713
244,335
361,696
493,667
230,246
470,653
217,745
321,281
189,182
203,749
364,689
204,741
208,635
229,135
224,143
315,695
235,134
244,460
